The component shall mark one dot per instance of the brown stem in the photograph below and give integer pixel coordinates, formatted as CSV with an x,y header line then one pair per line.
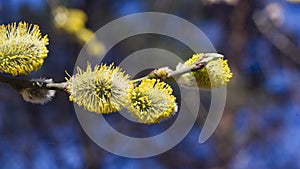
x,y
19,84
207,57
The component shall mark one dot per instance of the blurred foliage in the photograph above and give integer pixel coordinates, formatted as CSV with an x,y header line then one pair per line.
x,y
73,21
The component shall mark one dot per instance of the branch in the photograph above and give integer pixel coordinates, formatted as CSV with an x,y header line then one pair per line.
x,y
171,74
163,73
277,38
20,84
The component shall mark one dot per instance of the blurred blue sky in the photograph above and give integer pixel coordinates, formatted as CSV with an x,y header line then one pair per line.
x,y
261,123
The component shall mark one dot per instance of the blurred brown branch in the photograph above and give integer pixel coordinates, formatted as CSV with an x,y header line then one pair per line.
x,y
265,25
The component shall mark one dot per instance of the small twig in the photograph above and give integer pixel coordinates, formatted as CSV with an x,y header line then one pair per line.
x,y
57,86
175,73
20,84
140,79
187,69
207,57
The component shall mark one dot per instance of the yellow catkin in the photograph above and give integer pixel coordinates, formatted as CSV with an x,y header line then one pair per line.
x,y
152,101
103,89
68,19
22,48
215,74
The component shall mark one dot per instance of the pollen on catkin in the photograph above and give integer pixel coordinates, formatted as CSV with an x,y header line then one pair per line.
x,y
22,48
152,101
216,73
103,89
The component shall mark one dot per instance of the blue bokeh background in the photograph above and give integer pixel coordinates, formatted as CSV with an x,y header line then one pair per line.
x,y
261,123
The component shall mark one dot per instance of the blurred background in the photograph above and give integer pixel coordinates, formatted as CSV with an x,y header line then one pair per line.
x,y
261,123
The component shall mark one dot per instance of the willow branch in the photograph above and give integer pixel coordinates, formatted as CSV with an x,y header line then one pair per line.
x,y
20,84
167,74
173,74
186,69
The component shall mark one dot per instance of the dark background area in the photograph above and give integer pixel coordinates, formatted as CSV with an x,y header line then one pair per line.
x,y
261,122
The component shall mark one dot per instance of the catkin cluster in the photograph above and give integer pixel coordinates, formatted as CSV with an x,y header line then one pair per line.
x,y
106,89
103,88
